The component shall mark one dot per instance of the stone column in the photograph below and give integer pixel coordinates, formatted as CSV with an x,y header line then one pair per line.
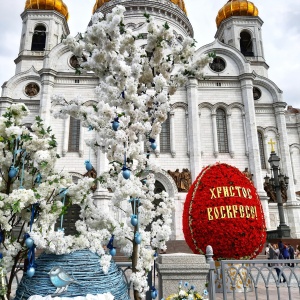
x,y
266,153
284,147
47,84
292,206
215,134
245,136
81,141
230,137
251,135
193,125
293,168
101,196
172,134
298,126
66,136
176,267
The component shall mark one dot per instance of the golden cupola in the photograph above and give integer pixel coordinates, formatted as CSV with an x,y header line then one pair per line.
x,y
179,3
236,8
57,5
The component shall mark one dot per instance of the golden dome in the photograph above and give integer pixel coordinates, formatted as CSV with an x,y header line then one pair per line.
x,y
180,3
236,8
57,5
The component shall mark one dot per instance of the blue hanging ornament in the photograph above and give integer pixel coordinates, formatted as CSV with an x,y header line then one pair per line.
x,y
13,171
110,244
113,252
138,238
1,255
38,178
30,271
115,124
1,237
153,144
29,242
126,172
154,293
134,220
63,192
88,165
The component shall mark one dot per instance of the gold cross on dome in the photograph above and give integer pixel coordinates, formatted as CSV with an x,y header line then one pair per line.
x,y
272,143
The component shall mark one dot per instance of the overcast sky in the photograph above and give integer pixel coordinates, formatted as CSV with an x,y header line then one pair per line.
x,y
281,35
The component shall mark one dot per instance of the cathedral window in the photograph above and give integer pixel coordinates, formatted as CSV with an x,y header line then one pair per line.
x,y
222,131
246,44
39,38
256,93
74,135
261,150
218,64
164,138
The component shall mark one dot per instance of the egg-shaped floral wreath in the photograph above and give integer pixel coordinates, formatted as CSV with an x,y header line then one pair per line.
x,y
223,209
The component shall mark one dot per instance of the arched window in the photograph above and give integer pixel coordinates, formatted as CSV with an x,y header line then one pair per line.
x,y
222,131
246,43
71,216
39,38
74,135
159,188
261,150
164,138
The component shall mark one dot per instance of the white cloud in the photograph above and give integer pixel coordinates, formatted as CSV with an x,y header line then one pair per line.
x,y
281,35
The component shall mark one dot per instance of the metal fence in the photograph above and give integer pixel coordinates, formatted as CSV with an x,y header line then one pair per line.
x,y
254,279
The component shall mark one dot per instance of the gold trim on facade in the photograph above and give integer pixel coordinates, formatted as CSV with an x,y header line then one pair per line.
x,y
57,5
180,3
236,8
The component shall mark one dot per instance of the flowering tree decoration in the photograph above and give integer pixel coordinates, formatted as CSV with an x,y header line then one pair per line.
x,y
133,99
31,195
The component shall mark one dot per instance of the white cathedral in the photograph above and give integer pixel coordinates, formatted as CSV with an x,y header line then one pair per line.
x,y
229,118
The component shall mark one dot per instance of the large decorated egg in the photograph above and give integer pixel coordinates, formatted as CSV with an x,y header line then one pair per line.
x,y
223,210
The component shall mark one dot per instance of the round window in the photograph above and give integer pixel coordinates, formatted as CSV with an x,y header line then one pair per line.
x,y
218,64
32,89
74,62
256,93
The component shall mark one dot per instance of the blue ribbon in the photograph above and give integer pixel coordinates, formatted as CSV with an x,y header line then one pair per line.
x,y
110,244
31,256
32,216
23,166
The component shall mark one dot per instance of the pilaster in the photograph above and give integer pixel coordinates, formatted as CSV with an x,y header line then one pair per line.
x,y
215,134
230,137
284,148
251,136
172,134
47,84
193,125
66,136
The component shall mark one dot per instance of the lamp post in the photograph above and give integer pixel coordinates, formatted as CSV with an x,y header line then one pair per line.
x,y
276,182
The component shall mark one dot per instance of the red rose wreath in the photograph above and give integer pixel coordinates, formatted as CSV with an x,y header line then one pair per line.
x,y
222,209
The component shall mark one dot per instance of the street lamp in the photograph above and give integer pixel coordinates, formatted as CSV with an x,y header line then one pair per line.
x,y
276,183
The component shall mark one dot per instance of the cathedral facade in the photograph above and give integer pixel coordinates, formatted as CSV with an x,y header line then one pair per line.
x,y
231,117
